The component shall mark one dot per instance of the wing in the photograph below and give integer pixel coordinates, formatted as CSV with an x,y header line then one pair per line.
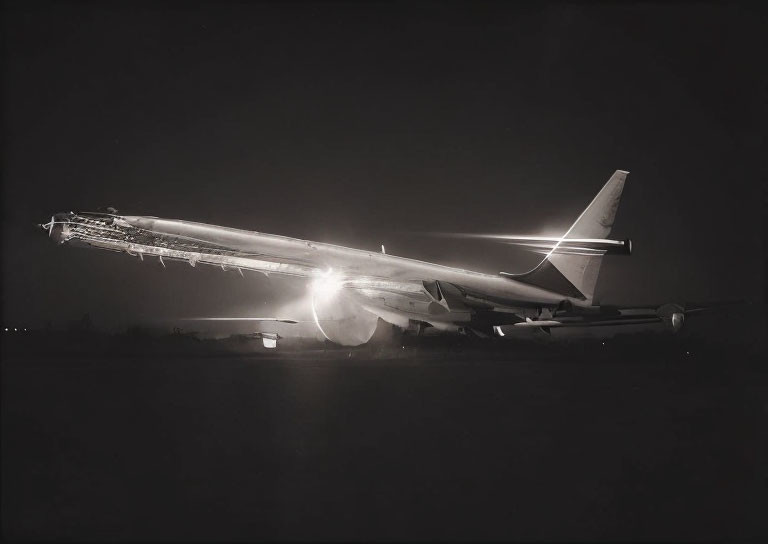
x,y
671,314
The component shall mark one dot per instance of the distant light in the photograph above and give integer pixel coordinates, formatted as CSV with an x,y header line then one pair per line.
x,y
25,329
603,343
687,352
15,329
6,329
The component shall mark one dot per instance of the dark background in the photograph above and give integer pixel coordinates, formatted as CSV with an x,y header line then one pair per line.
x,y
361,125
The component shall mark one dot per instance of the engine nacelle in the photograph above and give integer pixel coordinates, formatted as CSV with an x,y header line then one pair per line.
x,y
677,320
340,318
673,314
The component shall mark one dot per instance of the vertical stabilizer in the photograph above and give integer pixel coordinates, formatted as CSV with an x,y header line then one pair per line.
x,y
574,273
595,222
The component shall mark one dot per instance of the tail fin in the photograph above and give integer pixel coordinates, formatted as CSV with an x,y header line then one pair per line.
x,y
575,274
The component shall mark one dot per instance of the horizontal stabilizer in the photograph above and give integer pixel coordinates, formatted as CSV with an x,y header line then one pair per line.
x,y
572,246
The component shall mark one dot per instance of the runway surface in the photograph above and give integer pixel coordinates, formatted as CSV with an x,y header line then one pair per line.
x,y
339,446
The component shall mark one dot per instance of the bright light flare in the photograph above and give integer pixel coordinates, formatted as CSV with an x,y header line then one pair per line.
x,y
326,285
322,289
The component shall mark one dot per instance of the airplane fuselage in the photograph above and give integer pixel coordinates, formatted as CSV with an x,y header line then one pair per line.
x,y
275,254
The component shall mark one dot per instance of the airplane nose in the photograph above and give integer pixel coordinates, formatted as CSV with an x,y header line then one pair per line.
x,y
46,226
56,227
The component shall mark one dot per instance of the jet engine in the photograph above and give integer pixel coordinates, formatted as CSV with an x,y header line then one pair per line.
x,y
338,316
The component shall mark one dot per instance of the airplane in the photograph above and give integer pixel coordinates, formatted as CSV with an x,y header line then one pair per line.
x,y
351,289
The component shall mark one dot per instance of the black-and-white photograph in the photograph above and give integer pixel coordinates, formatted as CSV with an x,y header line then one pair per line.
x,y
384,271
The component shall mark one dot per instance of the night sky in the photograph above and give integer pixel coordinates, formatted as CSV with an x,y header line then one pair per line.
x,y
368,124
